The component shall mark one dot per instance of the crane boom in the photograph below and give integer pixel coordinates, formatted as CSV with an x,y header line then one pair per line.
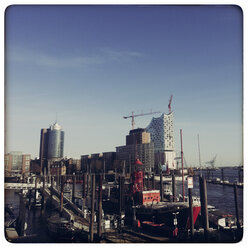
x,y
133,115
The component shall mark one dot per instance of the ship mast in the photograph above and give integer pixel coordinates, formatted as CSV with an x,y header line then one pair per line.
x,y
182,163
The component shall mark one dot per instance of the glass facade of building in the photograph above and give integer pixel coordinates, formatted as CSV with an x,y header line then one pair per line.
x,y
16,161
162,132
55,142
162,135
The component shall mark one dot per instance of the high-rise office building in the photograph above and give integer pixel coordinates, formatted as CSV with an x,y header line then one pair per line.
x,y
55,142
162,134
51,145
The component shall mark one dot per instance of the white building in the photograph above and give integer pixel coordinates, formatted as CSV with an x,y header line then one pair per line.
x,y
162,135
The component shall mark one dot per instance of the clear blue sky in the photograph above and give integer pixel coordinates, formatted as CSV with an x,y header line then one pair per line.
x,y
92,65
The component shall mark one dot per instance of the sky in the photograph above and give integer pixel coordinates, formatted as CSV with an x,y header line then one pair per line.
x,y
88,66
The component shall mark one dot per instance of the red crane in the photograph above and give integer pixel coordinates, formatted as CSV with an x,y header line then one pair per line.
x,y
133,115
169,105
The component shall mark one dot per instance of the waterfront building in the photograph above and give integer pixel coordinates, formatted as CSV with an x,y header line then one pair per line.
x,y
51,145
35,166
162,135
98,162
58,168
16,163
138,136
73,166
138,145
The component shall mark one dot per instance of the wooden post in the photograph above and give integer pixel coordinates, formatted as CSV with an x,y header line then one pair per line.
x,y
191,216
35,189
58,182
121,194
99,222
173,188
236,204
161,187
240,176
44,180
204,206
29,198
21,217
87,184
83,191
93,181
61,195
73,187
153,181
51,194
43,204
149,181
222,174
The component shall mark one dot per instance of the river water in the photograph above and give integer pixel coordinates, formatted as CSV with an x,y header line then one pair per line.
x,y
220,196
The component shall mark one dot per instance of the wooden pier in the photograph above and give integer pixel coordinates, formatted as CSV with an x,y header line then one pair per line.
x,y
89,217
224,183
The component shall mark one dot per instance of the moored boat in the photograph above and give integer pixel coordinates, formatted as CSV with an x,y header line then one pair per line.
x,y
61,228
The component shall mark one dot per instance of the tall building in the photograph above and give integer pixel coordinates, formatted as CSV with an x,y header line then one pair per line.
x,y
55,142
17,163
51,145
138,136
138,145
162,134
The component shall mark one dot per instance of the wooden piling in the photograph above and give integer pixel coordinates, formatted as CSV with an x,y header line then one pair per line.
x,y
61,195
44,181
191,216
236,204
73,187
149,181
222,174
29,198
173,188
93,180
35,188
57,180
204,206
240,176
21,217
99,221
153,181
84,191
87,184
161,187
121,194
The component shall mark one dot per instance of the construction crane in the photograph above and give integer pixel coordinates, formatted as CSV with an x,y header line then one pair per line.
x,y
169,105
133,115
212,161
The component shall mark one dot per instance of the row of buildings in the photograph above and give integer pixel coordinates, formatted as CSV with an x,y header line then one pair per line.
x,y
153,145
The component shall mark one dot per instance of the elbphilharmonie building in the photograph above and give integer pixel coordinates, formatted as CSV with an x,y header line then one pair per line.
x,y
161,130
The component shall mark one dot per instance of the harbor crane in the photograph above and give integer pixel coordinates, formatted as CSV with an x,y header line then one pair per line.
x,y
133,115
212,161
169,105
